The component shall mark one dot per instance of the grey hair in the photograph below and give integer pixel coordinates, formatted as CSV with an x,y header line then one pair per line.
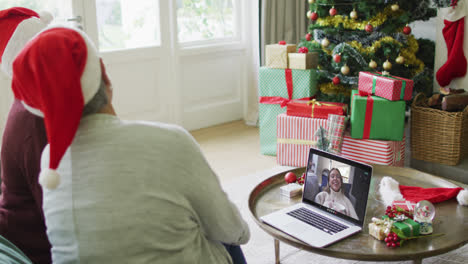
x,y
98,101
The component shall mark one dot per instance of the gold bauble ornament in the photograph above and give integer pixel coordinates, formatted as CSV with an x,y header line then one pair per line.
x,y
309,13
373,64
353,14
387,65
311,1
395,7
345,69
325,42
400,59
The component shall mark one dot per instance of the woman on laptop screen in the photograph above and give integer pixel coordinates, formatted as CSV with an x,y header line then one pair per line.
x,y
333,195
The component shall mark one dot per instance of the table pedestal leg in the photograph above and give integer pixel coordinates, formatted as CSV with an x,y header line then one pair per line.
x,y
417,261
277,252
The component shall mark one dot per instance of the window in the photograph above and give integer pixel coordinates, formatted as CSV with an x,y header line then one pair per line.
x,y
126,24
61,10
203,20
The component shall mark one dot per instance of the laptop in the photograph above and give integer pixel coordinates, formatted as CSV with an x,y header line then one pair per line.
x,y
331,209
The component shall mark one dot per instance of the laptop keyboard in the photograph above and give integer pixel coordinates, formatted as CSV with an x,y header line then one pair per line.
x,y
323,223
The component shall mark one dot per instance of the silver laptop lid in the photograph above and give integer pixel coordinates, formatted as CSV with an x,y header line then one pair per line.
x,y
337,185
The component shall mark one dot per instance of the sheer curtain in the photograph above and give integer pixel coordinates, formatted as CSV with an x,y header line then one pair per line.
x,y
278,20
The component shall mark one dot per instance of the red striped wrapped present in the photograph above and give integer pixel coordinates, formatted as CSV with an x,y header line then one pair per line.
x,y
295,136
383,152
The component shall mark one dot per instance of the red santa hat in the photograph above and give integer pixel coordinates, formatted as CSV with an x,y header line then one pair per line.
x,y
17,26
390,190
56,74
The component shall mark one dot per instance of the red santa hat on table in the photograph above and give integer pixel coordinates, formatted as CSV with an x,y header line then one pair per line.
x,y
17,26
390,190
57,73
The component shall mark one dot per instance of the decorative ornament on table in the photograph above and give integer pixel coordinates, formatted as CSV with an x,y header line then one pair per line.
x,y
373,64
290,177
333,11
406,30
369,28
400,59
395,7
353,14
337,58
301,179
308,37
424,213
336,80
345,69
387,65
325,42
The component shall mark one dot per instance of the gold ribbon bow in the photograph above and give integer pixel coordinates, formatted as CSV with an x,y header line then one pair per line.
x,y
314,102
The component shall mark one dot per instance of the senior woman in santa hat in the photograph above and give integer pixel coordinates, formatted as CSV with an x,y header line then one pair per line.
x,y
118,191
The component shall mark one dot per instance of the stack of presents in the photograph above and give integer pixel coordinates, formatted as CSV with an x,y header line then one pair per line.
x,y
291,121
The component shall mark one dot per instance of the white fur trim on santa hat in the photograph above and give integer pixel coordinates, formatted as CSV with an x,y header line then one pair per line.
x,y
462,197
453,13
49,178
33,110
24,32
389,190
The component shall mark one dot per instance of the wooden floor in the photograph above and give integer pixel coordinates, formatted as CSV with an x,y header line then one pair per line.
x,y
233,149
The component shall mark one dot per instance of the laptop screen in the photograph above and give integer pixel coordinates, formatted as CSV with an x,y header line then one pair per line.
x,y
337,185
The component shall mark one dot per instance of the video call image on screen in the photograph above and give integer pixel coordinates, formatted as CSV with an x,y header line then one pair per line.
x,y
337,186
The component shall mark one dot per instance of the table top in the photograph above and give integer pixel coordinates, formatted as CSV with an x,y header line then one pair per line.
x,y
451,219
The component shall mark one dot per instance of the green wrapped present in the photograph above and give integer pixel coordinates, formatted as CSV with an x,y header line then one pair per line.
x,y
409,227
373,117
276,88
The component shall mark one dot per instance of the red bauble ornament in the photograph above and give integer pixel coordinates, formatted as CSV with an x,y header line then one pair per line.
x,y
369,28
303,50
308,36
337,58
290,177
282,42
313,16
407,30
333,11
336,80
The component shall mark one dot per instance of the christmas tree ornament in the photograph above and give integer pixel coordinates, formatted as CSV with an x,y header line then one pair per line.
x,y
325,42
353,14
311,1
454,33
424,212
407,30
308,36
309,13
303,50
369,28
395,7
400,59
337,58
333,11
373,64
313,16
387,65
345,69
336,80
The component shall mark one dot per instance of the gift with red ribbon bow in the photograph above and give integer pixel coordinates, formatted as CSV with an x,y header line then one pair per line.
x,y
276,55
276,88
386,86
373,117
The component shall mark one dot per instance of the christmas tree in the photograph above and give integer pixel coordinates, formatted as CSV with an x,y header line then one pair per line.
x,y
368,35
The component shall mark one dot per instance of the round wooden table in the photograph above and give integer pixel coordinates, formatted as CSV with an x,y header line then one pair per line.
x,y
451,220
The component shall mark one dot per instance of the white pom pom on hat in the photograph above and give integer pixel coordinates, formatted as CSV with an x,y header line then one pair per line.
x,y
18,25
49,178
462,197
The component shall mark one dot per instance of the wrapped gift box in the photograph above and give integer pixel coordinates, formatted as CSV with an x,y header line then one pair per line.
x,y
303,61
387,86
277,55
276,88
295,138
390,153
315,109
377,231
409,227
405,205
374,117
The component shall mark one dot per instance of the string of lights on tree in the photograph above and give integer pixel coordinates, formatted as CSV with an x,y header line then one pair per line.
x,y
374,35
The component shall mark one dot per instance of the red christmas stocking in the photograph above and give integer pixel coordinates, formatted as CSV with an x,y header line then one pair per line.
x,y
454,33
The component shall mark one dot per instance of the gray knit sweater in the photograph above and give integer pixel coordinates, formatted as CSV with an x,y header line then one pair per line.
x,y
138,192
